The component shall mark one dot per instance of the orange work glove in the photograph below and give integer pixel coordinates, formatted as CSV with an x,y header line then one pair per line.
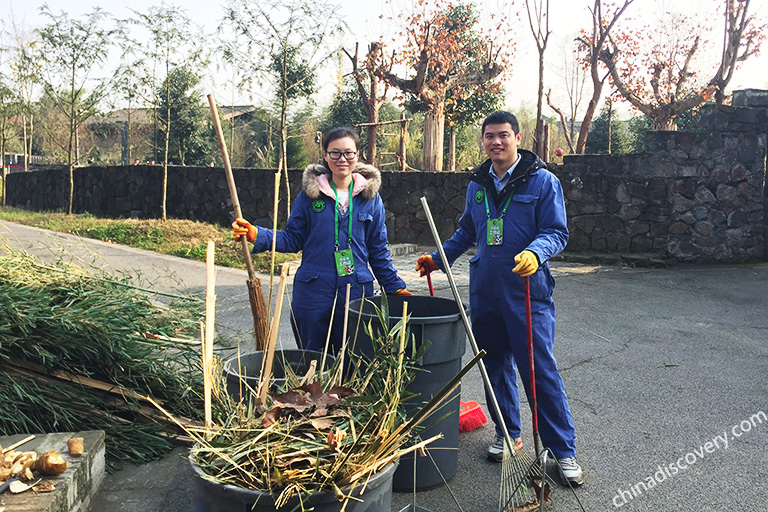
x,y
242,227
402,291
527,264
425,264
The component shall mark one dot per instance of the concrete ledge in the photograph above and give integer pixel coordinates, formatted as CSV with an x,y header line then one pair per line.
x,y
75,487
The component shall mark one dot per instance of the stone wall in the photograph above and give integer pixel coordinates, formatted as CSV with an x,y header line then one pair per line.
x,y
691,196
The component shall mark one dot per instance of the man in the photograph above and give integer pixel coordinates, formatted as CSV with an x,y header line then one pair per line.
x,y
515,215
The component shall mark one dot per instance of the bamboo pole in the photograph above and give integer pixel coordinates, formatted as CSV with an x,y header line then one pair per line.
x,y
344,335
269,353
255,292
210,322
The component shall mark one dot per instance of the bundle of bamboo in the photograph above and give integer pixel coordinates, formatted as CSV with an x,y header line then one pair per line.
x,y
82,352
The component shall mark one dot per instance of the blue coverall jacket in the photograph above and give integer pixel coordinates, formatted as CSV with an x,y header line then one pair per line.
x,y
535,220
310,229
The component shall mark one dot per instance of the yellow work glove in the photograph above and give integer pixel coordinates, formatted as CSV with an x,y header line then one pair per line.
x,y
527,264
425,264
402,291
242,227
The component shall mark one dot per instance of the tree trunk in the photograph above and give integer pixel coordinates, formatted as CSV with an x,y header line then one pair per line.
x,y
452,150
434,126
664,123
610,126
71,169
283,166
370,134
27,147
403,133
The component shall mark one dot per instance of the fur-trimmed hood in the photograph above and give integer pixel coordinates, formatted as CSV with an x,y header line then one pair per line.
x,y
311,187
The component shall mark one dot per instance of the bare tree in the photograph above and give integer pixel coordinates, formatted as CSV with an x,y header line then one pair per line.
x,y
539,10
594,45
741,39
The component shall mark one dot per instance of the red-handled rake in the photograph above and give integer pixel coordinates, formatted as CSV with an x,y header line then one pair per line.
x,y
515,490
517,464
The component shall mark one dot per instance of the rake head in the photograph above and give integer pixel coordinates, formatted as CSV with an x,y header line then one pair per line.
x,y
524,487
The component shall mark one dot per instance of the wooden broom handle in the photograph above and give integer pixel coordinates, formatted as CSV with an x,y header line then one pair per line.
x,y
231,183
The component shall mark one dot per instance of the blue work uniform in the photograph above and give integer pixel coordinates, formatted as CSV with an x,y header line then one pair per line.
x,y
312,230
535,221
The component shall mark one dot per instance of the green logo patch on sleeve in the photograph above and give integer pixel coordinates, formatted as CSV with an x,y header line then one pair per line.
x,y
479,196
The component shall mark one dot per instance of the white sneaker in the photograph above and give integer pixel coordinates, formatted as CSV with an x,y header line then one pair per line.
x,y
570,471
496,450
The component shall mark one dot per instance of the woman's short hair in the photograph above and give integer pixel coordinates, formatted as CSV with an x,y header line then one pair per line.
x,y
340,133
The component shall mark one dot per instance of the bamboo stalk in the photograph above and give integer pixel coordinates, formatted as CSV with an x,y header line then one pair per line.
x,y
344,336
269,355
328,336
210,315
77,379
255,292
160,337
274,240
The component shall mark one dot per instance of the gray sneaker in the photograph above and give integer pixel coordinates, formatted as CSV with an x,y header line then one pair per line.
x,y
496,450
570,471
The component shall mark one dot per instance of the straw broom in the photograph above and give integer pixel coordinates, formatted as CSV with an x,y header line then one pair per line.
x,y
255,293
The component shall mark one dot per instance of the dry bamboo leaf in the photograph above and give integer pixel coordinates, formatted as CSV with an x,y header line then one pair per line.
x,y
335,437
5,474
271,417
299,402
322,423
47,486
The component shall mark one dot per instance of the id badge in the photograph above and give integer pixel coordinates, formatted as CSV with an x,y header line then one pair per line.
x,y
495,231
345,265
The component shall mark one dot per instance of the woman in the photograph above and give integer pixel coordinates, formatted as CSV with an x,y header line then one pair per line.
x,y
338,223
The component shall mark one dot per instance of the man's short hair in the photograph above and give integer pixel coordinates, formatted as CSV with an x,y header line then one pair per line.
x,y
502,117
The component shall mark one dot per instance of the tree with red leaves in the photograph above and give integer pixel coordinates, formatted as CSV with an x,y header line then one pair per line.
x,y
444,49
653,67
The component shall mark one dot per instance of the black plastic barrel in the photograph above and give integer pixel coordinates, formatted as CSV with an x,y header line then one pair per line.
x,y
437,320
217,497
244,374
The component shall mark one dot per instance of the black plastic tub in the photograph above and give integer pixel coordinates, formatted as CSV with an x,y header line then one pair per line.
x,y
437,320
216,497
245,373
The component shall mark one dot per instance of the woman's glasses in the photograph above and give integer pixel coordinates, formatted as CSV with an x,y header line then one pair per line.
x,y
335,155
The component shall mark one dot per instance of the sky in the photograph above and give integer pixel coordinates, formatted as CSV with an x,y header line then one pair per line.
x,y
363,18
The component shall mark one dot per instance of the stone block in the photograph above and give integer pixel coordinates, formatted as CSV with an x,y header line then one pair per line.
x,y
681,203
704,195
74,488
678,228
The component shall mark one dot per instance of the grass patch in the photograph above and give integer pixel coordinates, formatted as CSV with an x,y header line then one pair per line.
x,y
176,237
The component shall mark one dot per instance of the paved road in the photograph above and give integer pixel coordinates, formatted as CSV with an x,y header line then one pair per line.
x,y
665,371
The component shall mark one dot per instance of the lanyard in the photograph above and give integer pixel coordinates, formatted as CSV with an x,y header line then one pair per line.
x,y
504,211
337,213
